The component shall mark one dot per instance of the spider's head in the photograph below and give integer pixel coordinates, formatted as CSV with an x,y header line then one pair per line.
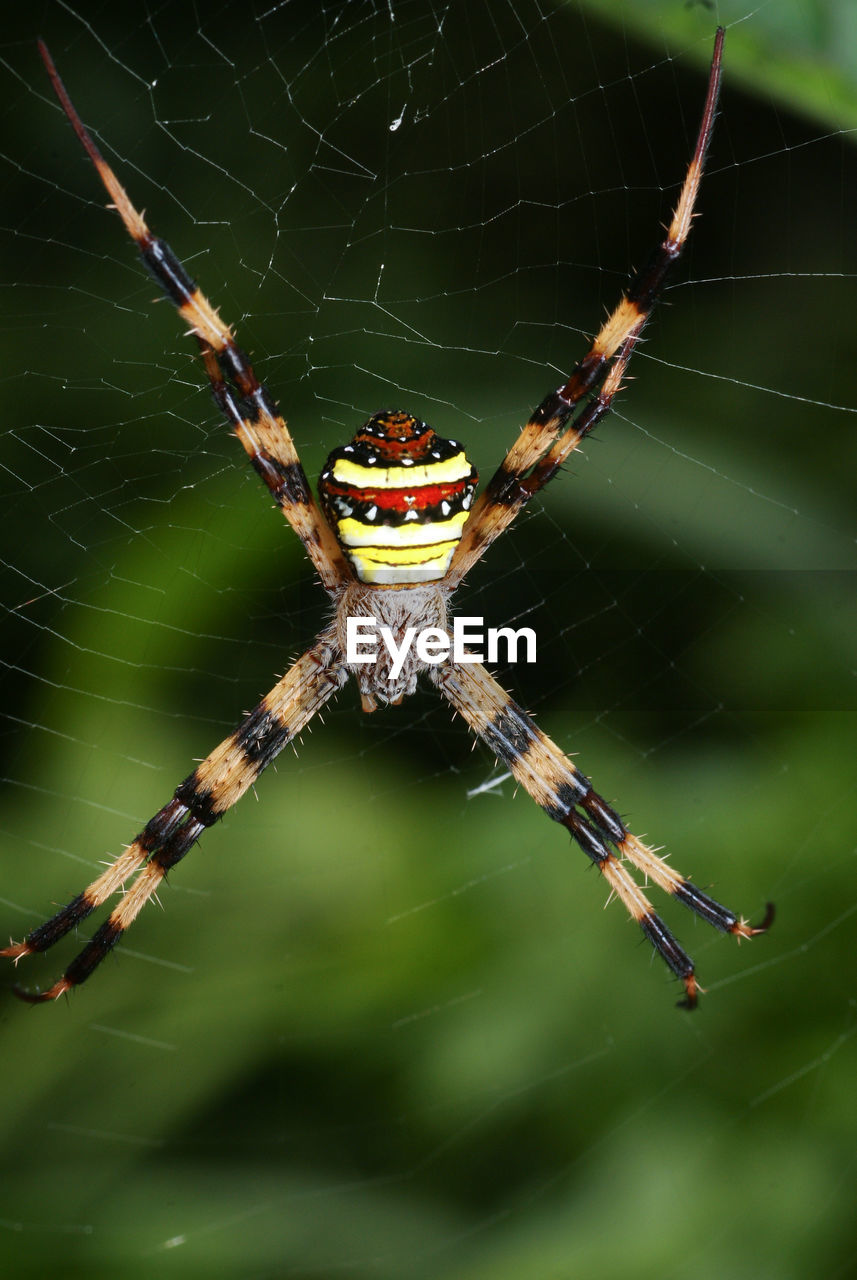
x,y
397,498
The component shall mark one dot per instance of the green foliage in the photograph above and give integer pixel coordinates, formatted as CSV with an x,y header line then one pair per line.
x,y
800,54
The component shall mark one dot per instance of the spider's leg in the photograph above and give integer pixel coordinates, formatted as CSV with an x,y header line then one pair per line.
x,y
244,400
566,795
546,441
213,787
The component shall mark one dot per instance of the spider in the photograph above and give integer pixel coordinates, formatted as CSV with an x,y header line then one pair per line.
x,y
394,534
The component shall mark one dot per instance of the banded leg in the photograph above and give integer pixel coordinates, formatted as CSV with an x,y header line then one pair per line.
x,y
245,402
214,786
566,795
547,440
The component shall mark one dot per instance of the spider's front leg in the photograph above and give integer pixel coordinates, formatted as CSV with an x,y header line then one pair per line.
x,y
566,795
553,432
244,400
214,786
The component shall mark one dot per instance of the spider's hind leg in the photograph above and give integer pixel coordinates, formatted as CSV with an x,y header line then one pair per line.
x,y
567,797
215,785
164,841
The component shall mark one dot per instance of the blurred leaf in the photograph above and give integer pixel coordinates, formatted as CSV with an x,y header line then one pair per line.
x,y
802,54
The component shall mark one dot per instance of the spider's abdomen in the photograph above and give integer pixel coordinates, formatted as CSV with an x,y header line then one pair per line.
x,y
397,498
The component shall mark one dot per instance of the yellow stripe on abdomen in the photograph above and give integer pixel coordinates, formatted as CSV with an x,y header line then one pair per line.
x,y
357,533
400,566
445,471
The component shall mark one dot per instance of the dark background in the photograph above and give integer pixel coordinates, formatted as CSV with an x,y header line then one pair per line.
x,y
383,1027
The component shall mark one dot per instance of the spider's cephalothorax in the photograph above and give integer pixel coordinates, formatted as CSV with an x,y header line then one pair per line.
x,y
399,536
397,498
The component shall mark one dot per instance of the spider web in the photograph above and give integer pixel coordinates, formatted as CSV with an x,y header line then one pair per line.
x,y
382,1028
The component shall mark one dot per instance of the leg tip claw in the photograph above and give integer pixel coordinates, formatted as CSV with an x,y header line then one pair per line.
x,y
40,997
692,992
768,920
743,929
15,950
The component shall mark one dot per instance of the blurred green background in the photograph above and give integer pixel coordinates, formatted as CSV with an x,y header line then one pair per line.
x,y
382,1027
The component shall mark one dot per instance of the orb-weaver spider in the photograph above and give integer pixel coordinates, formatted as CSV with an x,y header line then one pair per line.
x,y
393,537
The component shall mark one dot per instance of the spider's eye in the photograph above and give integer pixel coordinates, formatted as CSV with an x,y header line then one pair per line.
x,y
398,497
